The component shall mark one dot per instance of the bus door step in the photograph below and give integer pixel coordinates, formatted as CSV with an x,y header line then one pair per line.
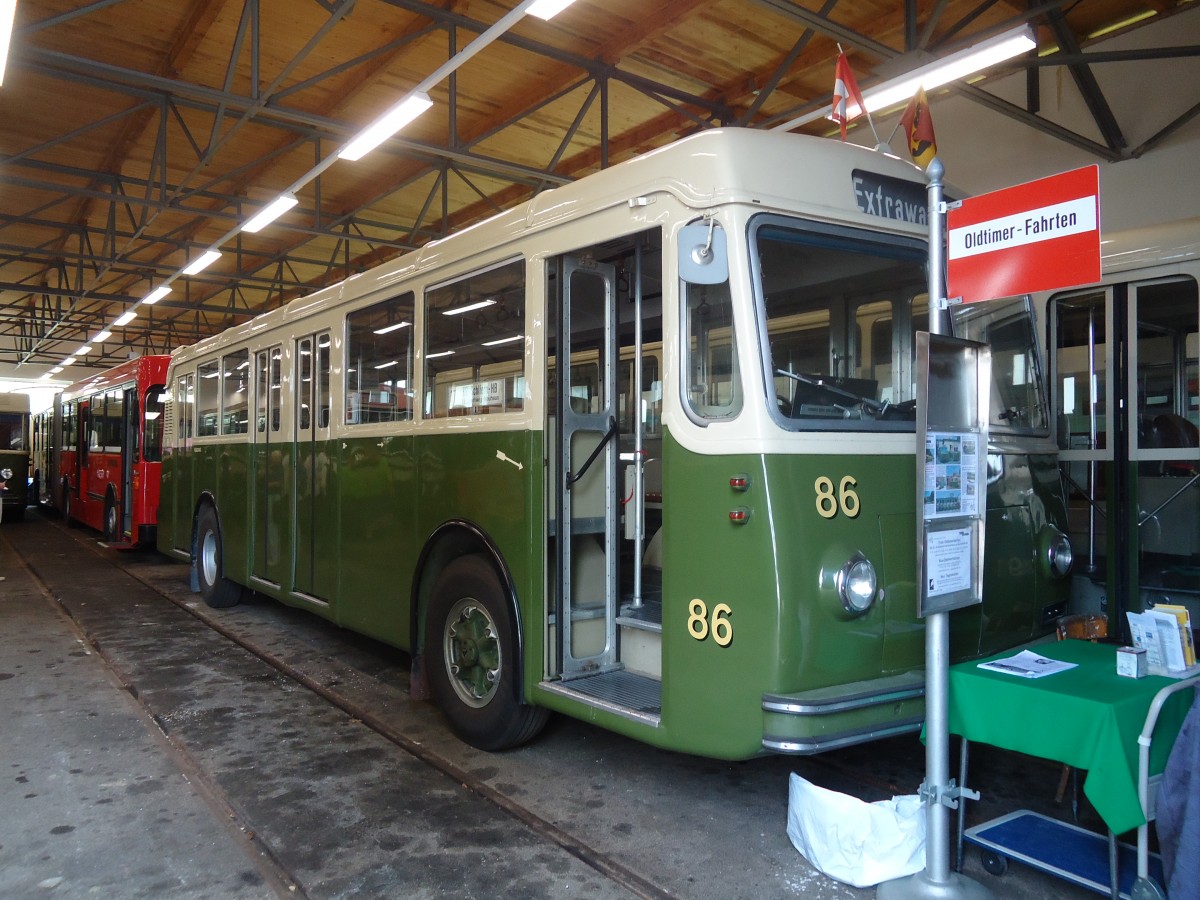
x,y
618,689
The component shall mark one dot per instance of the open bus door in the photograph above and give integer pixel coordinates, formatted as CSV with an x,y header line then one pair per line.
x,y
586,451
1128,404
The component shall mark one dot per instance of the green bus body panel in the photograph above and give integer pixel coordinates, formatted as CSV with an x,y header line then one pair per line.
x,y
384,498
376,501
790,633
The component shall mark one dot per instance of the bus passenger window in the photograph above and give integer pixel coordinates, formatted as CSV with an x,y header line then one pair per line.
x,y
208,397
152,429
235,393
712,383
379,355
475,344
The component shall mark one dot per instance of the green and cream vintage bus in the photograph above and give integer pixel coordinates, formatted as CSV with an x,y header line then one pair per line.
x,y
640,451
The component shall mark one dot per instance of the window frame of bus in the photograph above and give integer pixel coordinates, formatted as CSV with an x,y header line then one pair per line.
x,y
975,322
515,387
365,327
850,239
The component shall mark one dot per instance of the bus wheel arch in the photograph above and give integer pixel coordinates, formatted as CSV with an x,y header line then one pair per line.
x,y
467,635
208,559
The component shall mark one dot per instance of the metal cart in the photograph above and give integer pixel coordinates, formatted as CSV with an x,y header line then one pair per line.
x,y
1075,854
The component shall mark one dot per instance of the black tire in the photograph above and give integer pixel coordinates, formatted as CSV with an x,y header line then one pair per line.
x,y
993,863
112,519
217,590
471,656
66,505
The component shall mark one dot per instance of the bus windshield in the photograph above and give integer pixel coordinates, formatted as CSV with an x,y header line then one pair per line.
x,y
835,313
12,431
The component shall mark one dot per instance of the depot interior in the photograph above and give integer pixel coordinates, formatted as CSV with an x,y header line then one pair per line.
x,y
138,138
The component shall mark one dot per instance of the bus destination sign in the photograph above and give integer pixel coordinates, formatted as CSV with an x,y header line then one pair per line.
x,y
1033,237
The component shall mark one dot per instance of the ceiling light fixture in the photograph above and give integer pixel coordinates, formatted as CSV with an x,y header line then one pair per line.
x,y
155,295
125,319
548,9
69,361
8,13
270,213
386,125
902,88
202,262
102,337
84,350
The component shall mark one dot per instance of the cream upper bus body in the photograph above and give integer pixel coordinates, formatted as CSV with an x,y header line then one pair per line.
x,y
730,175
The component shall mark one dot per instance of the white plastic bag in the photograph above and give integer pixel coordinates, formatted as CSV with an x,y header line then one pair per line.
x,y
853,841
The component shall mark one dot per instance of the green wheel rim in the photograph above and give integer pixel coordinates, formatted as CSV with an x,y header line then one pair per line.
x,y
472,652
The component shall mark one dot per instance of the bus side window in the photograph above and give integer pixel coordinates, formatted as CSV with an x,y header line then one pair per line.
x,y
710,354
475,343
379,353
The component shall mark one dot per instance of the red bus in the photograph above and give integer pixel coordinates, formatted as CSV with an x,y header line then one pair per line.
x,y
110,450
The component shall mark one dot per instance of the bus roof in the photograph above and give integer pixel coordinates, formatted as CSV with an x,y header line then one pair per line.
x,y
772,170
14,401
147,369
1156,245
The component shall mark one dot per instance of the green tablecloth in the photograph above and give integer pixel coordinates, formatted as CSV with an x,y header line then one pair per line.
x,y
1088,717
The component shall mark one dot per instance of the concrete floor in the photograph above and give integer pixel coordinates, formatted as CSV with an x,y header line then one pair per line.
x,y
151,756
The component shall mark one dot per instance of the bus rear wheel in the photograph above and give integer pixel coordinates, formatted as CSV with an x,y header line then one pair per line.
x,y
112,520
217,590
471,656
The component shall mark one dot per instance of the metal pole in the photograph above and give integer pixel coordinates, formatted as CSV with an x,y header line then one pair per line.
x,y
938,792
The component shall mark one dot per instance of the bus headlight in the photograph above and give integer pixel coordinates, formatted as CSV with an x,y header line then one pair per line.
x,y
1056,551
6,474
857,584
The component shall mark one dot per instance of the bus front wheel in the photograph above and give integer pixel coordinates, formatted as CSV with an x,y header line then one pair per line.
x,y
217,590
471,657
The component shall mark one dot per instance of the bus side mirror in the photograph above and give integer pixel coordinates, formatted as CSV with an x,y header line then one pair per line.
x,y
702,254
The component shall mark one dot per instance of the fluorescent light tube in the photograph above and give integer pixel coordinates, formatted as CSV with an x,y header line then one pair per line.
x,y
982,56
385,126
548,9
125,319
388,328
84,350
470,307
388,364
8,12
69,361
439,355
202,262
102,337
270,213
507,340
155,295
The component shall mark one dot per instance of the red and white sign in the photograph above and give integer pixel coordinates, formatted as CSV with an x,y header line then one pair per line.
x,y
1033,237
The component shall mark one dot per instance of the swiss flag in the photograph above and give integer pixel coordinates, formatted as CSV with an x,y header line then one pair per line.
x,y
845,88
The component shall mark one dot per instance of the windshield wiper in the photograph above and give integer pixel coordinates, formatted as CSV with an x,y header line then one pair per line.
x,y
874,406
